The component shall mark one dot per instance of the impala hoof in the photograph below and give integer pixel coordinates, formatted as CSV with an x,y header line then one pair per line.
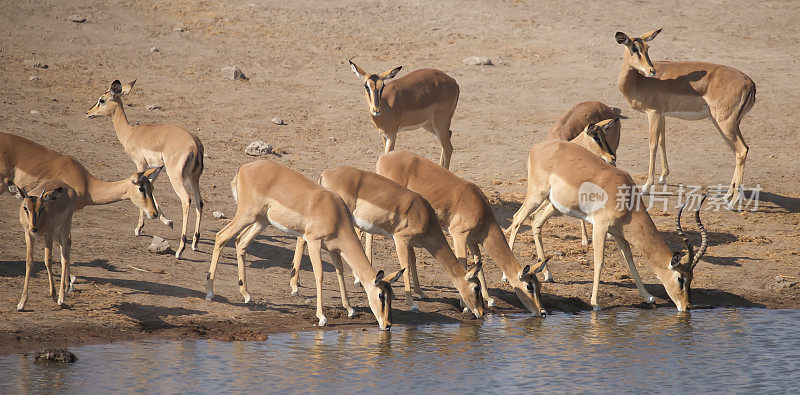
x,y
490,302
548,278
504,279
357,282
650,299
595,308
21,307
169,223
465,310
662,180
209,296
295,293
414,309
71,283
646,187
246,298
351,312
137,231
322,321
421,296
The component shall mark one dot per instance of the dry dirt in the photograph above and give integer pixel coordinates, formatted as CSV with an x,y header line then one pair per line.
x,y
549,55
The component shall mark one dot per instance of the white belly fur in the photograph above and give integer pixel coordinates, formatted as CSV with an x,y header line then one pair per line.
x,y
569,212
283,228
690,116
412,127
369,227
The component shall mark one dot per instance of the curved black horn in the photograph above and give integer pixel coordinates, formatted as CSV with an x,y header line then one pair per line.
x,y
703,234
689,247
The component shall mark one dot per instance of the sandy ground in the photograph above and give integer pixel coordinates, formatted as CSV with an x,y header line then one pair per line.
x,y
549,55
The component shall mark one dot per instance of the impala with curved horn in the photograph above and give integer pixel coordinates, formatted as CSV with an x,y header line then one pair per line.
x,y
685,90
425,98
579,184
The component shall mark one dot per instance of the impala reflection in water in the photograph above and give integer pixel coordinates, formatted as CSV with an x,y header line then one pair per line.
x,y
735,350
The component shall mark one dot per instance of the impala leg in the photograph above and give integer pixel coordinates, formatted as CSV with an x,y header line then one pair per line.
x,y
368,239
584,234
198,204
226,233
655,120
477,260
65,268
529,206
626,252
314,248
298,258
336,257
598,245
662,145
440,123
29,243
161,217
48,264
412,265
402,247
242,242
729,129
138,230
546,211
177,185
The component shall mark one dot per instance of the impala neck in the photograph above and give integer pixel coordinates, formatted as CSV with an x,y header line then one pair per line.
x,y
643,234
101,192
438,247
497,247
122,127
628,77
352,252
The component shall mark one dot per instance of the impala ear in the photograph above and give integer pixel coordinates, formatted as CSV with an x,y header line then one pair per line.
x,y
116,88
622,38
389,74
359,72
127,88
524,272
53,195
153,173
395,276
473,273
675,262
16,191
607,123
651,35
590,129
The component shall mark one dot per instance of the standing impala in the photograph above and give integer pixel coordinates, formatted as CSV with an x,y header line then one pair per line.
x,y
380,205
269,193
573,126
425,98
686,90
594,139
577,183
46,211
464,210
26,164
175,148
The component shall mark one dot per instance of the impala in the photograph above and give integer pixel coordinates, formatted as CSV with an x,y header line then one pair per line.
x,y
175,148
574,123
464,210
46,212
379,205
26,164
690,91
563,174
269,193
594,139
425,98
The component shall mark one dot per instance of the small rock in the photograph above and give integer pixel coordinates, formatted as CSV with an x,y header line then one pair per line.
x,y
154,49
219,215
152,107
233,73
77,19
278,121
33,78
36,63
258,148
55,355
308,301
179,29
159,246
477,61
333,138
36,112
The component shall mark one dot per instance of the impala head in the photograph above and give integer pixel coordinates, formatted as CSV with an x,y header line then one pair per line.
x,y
636,51
109,101
380,295
531,294
594,139
33,208
373,86
681,267
472,292
140,191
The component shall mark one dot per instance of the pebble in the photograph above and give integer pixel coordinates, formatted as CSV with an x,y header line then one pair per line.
x,y
477,61
55,355
278,121
258,148
154,49
77,19
33,78
152,107
233,73
159,246
36,112
179,29
36,63
219,215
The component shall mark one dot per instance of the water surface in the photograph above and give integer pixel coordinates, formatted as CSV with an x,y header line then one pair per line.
x,y
721,350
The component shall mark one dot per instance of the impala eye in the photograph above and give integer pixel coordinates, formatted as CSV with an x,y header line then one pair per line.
x,y
681,281
25,208
382,297
141,189
102,101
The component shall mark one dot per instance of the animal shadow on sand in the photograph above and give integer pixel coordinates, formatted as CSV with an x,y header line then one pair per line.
x,y
151,317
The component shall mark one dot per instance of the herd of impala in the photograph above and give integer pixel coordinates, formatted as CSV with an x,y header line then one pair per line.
x,y
409,198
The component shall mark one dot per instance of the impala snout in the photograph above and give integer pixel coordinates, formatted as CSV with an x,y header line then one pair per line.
x,y
651,72
34,229
375,112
